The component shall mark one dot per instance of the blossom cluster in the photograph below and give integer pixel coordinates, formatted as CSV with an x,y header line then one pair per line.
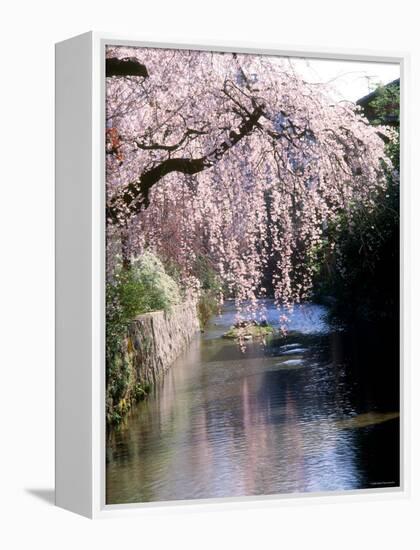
x,y
249,166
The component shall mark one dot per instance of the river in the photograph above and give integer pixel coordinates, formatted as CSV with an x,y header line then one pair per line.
x,y
311,412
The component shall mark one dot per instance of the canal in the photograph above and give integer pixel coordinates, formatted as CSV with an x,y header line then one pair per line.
x,y
314,411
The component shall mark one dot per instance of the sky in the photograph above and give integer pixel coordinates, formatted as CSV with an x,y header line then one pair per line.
x,y
351,80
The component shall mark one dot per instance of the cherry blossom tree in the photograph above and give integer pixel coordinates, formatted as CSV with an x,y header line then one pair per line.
x,y
234,157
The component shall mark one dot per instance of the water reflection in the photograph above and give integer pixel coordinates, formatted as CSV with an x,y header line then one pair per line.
x,y
277,419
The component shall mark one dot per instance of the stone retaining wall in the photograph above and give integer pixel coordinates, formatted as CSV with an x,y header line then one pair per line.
x,y
158,338
153,342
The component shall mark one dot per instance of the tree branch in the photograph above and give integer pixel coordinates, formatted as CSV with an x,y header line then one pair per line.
x,y
157,146
127,66
136,195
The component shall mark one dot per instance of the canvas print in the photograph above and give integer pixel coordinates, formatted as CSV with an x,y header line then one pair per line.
x,y
252,275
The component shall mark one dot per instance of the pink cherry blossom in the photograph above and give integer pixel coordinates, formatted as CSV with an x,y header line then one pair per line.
x,y
234,157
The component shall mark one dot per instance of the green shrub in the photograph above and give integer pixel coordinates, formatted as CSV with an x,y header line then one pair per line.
x,y
143,288
157,288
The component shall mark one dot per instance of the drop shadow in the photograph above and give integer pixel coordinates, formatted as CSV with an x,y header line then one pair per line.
x,y
47,495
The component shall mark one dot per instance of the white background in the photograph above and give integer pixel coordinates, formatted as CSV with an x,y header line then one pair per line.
x,y
349,80
28,32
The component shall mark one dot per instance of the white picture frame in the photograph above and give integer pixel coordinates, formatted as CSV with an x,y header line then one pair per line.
x,y
80,268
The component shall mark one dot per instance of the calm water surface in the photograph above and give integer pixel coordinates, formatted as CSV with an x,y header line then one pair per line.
x,y
316,411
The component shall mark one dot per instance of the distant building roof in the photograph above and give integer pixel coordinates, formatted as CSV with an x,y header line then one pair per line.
x,y
369,110
365,100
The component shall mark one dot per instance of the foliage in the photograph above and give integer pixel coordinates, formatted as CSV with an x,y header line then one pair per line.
x,y
160,291
211,290
235,158
386,108
143,288
207,306
207,275
363,272
386,104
